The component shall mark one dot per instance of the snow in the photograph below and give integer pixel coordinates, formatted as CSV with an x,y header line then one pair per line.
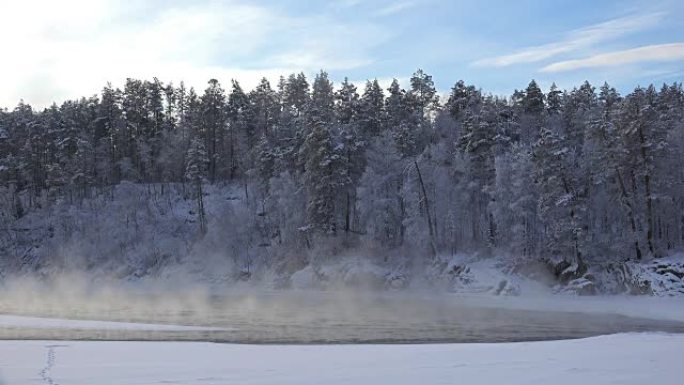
x,y
159,241
13,321
656,308
471,274
617,359
350,272
664,275
501,275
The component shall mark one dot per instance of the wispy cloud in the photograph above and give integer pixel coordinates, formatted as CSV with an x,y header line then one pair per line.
x,y
650,53
319,43
395,8
187,41
576,40
348,3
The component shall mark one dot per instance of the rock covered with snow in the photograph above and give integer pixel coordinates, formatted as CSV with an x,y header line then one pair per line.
x,y
660,277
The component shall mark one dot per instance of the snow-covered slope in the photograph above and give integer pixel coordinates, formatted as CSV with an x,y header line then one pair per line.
x,y
135,232
618,359
128,231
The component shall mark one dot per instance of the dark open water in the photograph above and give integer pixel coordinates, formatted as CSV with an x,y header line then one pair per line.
x,y
331,317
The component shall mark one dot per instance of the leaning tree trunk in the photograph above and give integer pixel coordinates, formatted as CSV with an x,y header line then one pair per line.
x,y
431,229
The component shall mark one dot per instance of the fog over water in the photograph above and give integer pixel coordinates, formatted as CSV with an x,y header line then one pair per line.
x,y
333,316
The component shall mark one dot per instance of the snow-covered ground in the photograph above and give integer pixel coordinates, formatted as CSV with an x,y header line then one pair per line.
x,y
13,321
617,359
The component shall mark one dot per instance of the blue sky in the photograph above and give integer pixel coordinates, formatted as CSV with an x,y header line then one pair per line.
x,y
70,49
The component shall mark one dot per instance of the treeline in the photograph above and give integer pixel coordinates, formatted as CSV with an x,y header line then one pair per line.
x,y
579,174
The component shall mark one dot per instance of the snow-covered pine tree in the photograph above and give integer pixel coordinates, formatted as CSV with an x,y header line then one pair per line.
x,y
557,204
403,120
196,172
533,100
320,161
380,200
477,142
213,124
237,148
350,148
372,117
644,142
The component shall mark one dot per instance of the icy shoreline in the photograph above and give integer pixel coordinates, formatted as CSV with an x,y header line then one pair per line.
x,y
15,321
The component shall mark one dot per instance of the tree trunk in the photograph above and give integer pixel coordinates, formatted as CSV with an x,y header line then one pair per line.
x,y
647,186
200,208
433,246
630,213
573,221
347,214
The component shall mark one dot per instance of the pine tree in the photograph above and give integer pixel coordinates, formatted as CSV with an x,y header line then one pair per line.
x,y
320,161
395,105
321,105
295,92
644,140
379,192
372,109
351,147
112,124
461,99
477,142
554,100
237,115
137,123
423,93
155,107
516,200
534,99
213,124
196,171
403,120
558,198
264,109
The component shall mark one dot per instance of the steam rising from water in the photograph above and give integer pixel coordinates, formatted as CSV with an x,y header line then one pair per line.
x,y
263,316
73,296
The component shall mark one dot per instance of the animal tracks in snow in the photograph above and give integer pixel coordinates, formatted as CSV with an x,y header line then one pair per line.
x,y
46,374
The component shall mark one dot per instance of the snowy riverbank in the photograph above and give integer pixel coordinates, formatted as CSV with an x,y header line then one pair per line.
x,y
624,359
138,233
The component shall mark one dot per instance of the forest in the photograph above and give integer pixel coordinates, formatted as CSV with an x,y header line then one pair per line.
x,y
583,175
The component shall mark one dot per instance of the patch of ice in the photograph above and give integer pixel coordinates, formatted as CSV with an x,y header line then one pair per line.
x,y
14,321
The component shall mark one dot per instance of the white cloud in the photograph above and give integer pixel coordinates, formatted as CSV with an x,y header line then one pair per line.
x,y
323,44
576,40
395,8
650,53
54,51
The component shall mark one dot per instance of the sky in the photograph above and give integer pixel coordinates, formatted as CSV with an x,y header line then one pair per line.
x,y
59,50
